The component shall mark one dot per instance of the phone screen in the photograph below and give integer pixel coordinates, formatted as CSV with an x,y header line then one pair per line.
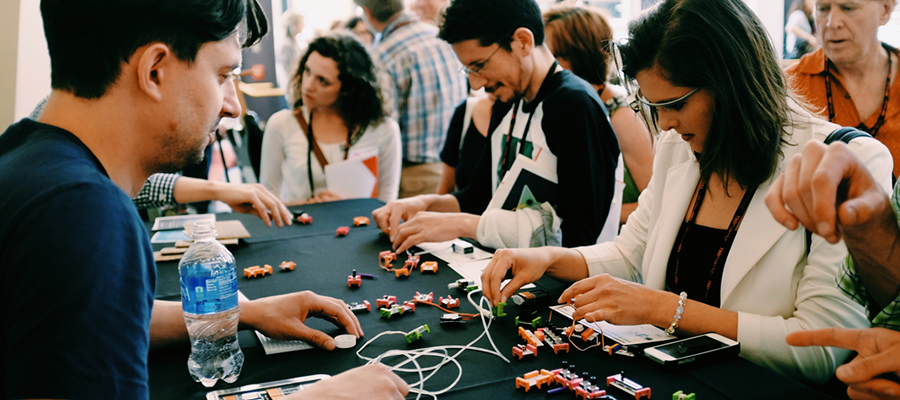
x,y
691,347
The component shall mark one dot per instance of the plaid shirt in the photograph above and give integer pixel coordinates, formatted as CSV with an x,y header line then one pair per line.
x,y
158,191
852,285
425,85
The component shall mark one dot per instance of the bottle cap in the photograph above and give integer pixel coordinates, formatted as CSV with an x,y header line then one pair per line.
x,y
345,341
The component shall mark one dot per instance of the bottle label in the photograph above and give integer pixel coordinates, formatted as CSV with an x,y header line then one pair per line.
x,y
207,290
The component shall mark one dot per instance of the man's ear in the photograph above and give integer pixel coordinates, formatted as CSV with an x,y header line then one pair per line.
x,y
888,9
522,42
153,62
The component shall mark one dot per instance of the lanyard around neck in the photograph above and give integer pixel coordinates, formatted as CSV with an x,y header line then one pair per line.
x,y
735,221
887,95
506,163
313,146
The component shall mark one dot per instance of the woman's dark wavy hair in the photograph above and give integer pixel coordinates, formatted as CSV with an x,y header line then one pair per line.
x,y
360,102
721,46
89,41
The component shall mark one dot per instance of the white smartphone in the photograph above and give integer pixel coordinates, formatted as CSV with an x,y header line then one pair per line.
x,y
708,346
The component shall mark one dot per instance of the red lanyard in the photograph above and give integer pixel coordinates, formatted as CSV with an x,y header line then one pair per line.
x,y
887,95
735,221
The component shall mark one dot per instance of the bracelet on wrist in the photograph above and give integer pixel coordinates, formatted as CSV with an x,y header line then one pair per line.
x,y
682,298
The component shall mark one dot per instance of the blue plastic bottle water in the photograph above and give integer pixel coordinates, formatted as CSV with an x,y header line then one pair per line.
x,y
209,298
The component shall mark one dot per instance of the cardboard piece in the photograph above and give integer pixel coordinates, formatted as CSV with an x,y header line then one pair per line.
x,y
224,229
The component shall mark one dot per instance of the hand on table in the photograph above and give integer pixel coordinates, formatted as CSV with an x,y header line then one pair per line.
x,y
606,298
374,382
428,226
324,197
875,372
282,317
252,198
827,189
388,217
527,265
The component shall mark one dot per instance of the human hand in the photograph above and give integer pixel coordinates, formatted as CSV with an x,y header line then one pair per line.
x,y
527,265
374,382
828,190
607,298
282,317
252,198
324,197
427,226
388,217
875,372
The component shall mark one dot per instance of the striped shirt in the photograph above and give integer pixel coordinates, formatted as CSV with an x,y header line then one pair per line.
x,y
424,83
851,284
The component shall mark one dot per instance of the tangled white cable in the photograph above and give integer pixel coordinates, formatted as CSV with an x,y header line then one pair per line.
x,y
442,352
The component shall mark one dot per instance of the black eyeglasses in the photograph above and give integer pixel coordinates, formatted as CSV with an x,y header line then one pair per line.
x,y
476,70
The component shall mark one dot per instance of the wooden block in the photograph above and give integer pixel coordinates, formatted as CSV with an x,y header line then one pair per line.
x,y
159,257
168,251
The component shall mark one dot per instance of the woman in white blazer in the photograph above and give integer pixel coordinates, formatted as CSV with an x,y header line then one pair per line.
x,y
702,234
338,115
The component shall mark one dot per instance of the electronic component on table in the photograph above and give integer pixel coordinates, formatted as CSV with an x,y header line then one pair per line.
x,y
343,231
428,266
531,298
417,333
463,247
385,258
424,297
361,221
452,321
257,271
619,381
412,261
680,395
522,350
534,378
287,265
303,218
706,347
463,285
449,302
354,280
360,307
386,301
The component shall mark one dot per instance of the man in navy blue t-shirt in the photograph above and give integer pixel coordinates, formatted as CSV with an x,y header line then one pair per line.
x,y
139,87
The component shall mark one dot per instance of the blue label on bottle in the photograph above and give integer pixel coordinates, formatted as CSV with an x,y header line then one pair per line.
x,y
208,289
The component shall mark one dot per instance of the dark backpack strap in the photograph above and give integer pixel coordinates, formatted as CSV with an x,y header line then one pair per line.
x,y
845,135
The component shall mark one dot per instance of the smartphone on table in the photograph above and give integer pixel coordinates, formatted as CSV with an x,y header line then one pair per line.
x,y
705,347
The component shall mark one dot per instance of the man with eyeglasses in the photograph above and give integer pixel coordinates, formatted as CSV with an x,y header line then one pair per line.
x,y
852,78
424,87
546,119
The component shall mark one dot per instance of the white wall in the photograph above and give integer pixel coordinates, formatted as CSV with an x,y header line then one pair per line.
x,y
33,63
9,34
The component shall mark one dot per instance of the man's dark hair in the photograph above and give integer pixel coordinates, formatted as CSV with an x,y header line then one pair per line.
x,y
721,46
382,10
89,40
359,102
491,21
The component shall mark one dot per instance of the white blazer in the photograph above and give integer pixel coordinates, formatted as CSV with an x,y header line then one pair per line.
x,y
768,279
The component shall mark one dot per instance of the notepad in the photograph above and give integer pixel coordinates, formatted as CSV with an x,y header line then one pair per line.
x,y
274,346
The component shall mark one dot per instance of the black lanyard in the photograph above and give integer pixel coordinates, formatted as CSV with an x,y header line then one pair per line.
x,y
887,95
310,143
506,163
735,221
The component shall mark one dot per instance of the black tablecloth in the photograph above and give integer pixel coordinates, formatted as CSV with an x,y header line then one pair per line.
x,y
323,263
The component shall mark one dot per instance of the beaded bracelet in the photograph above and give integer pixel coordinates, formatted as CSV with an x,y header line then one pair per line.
x,y
682,298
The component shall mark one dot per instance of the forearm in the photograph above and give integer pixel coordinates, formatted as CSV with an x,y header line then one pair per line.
x,y
565,264
875,249
189,190
167,324
697,317
448,180
440,203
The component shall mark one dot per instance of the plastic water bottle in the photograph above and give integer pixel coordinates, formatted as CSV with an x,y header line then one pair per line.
x,y
209,298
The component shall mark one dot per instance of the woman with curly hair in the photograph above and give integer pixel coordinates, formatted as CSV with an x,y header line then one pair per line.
x,y
338,115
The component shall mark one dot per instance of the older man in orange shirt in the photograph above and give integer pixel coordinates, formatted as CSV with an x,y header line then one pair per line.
x,y
851,78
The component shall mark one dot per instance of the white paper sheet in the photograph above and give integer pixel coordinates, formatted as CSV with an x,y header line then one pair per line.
x,y
624,334
351,179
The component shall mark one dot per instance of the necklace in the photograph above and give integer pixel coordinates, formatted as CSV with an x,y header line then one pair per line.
x,y
887,95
